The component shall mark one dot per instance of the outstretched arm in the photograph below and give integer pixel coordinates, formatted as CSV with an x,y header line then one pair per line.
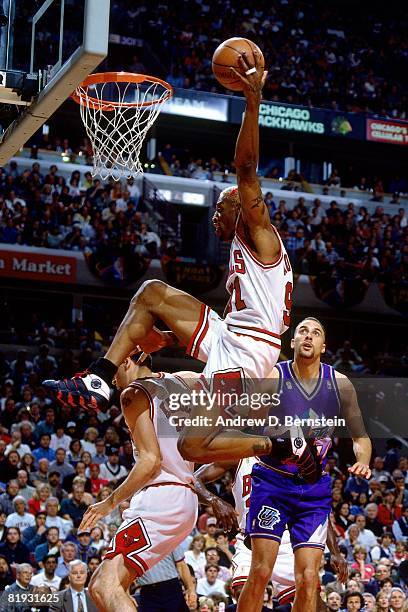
x,y
188,582
354,421
136,410
223,511
337,561
254,213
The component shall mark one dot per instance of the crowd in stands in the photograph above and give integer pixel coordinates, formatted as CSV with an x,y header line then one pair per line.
x,y
343,244
346,59
179,162
45,210
55,462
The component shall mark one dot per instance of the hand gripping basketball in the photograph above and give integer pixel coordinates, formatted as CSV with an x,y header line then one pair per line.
x,y
252,77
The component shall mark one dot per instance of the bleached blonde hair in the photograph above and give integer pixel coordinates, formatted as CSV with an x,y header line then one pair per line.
x,y
230,193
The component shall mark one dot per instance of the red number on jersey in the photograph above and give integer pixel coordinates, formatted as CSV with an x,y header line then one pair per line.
x,y
288,303
246,487
239,262
227,385
239,302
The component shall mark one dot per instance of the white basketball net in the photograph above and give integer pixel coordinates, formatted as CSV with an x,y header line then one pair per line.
x,y
117,131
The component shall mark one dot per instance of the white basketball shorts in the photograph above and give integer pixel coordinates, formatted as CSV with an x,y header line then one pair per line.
x,y
283,574
230,348
153,527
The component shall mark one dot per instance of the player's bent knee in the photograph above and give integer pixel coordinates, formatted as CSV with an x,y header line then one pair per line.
x,y
150,293
94,587
307,579
261,572
102,576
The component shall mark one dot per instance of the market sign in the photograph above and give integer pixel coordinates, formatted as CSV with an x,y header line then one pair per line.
x,y
382,130
37,266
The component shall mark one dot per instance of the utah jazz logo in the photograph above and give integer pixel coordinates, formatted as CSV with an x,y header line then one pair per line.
x,y
268,517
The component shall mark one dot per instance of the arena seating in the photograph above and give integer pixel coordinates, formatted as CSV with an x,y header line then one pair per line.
x,y
334,61
39,206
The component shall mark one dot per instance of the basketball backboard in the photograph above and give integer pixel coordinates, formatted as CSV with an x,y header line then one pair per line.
x,y
47,49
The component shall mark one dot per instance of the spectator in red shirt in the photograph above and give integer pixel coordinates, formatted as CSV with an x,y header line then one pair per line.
x,y
366,570
96,482
38,502
389,511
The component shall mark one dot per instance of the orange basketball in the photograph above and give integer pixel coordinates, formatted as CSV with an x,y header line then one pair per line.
x,y
226,55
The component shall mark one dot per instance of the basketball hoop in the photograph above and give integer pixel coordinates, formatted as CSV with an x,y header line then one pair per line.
x,y
117,109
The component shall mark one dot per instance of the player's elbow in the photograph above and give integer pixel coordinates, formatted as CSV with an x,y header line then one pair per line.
x,y
246,167
190,449
152,464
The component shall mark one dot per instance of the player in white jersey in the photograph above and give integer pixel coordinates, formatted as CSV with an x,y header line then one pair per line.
x,y
163,506
247,343
283,575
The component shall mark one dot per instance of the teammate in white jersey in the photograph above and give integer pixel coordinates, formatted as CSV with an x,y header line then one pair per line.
x,y
247,343
283,575
163,506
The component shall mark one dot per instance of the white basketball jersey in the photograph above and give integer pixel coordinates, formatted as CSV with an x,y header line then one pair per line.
x,y
260,294
241,489
173,468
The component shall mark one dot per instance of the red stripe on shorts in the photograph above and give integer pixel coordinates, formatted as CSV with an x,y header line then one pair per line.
x,y
197,329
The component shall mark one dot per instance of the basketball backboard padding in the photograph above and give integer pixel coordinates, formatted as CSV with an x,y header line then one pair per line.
x,y
81,63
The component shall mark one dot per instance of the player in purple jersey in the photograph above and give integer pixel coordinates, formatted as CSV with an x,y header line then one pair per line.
x,y
313,390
